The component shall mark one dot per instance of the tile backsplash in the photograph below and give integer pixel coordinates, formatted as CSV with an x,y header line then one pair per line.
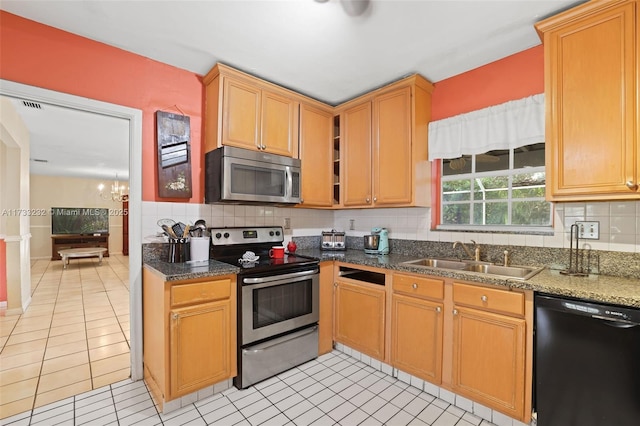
x,y
619,223
303,221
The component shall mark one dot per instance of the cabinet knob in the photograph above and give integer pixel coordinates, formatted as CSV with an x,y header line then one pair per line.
x,y
484,298
301,200
455,312
174,316
335,284
632,186
264,147
368,200
414,285
438,309
375,199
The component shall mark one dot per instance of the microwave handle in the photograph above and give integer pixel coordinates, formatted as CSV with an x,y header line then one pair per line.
x,y
288,187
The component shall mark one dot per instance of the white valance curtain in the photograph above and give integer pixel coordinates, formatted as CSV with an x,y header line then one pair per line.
x,y
508,125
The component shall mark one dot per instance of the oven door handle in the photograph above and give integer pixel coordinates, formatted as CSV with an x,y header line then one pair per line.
x,y
276,342
279,277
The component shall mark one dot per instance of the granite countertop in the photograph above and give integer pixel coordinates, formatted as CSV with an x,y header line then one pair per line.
x,y
190,270
598,288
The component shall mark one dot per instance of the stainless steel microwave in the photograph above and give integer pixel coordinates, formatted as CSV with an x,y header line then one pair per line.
x,y
242,176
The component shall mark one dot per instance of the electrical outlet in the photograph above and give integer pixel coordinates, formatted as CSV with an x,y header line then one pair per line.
x,y
352,224
287,223
589,230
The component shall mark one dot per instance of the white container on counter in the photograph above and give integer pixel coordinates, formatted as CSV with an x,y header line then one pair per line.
x,y
199,249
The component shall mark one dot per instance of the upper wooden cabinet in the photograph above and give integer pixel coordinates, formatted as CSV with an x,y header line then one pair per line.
x,y
356,154
316,155
279,124
392,148
592,70
246,112
384,146
368,152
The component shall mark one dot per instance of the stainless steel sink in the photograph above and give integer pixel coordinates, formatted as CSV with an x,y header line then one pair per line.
x,y
515,272
438,263
518,272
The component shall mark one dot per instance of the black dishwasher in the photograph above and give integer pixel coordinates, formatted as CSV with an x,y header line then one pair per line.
x,y
587,363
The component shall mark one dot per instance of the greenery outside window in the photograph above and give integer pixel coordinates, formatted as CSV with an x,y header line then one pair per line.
x,y
500,189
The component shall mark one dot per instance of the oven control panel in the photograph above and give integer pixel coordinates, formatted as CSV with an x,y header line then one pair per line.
x,y
246,235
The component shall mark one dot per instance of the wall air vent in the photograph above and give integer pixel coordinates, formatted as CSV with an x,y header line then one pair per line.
x,y
39,160
30,104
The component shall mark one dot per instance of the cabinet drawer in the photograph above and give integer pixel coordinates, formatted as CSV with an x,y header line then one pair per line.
x,y
183,294
418,286
489,298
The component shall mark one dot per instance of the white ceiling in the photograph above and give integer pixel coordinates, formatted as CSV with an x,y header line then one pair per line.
x,y
313,47
74,143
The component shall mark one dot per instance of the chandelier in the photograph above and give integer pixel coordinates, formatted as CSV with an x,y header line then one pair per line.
x,y
119,191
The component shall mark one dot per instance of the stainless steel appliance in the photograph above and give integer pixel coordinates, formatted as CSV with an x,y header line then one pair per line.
x,y
587,367
377,242
241,176
333,240
278,302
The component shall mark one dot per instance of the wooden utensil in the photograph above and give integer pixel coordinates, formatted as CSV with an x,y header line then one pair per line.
x,y
169,231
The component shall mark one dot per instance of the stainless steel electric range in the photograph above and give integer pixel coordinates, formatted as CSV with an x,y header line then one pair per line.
x,y
278,302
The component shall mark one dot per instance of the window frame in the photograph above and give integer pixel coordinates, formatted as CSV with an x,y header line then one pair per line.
x,y
473,177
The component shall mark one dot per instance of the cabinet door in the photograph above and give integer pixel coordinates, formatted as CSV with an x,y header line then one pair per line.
x,y
416,337
359,318
392,162
591,119
279,124
325,322
316,156
200,346
356,155
241,120
489,359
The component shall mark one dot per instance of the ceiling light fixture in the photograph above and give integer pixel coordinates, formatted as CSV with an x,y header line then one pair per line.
x,y
352,7
119,191
355,7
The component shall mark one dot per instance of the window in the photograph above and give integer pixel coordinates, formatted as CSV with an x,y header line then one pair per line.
x,y
497,189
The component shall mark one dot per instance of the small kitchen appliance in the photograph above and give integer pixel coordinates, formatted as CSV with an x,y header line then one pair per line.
x,y
243,176
333,240
377,242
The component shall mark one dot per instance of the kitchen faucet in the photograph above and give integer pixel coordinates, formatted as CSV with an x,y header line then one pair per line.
x,y
475,256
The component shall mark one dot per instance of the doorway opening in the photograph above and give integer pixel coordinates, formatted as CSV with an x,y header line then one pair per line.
x,y
87,271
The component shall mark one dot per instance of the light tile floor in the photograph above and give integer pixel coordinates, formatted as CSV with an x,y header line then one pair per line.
x,y
335,389
73,337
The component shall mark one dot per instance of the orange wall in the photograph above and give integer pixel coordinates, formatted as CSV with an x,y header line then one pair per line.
x,y
42,56
514,77
38,55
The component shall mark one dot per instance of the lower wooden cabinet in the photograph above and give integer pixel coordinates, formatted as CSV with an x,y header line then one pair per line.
x,y
489,359
189,339
325,322
416,337
472,339
360,318
200,338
